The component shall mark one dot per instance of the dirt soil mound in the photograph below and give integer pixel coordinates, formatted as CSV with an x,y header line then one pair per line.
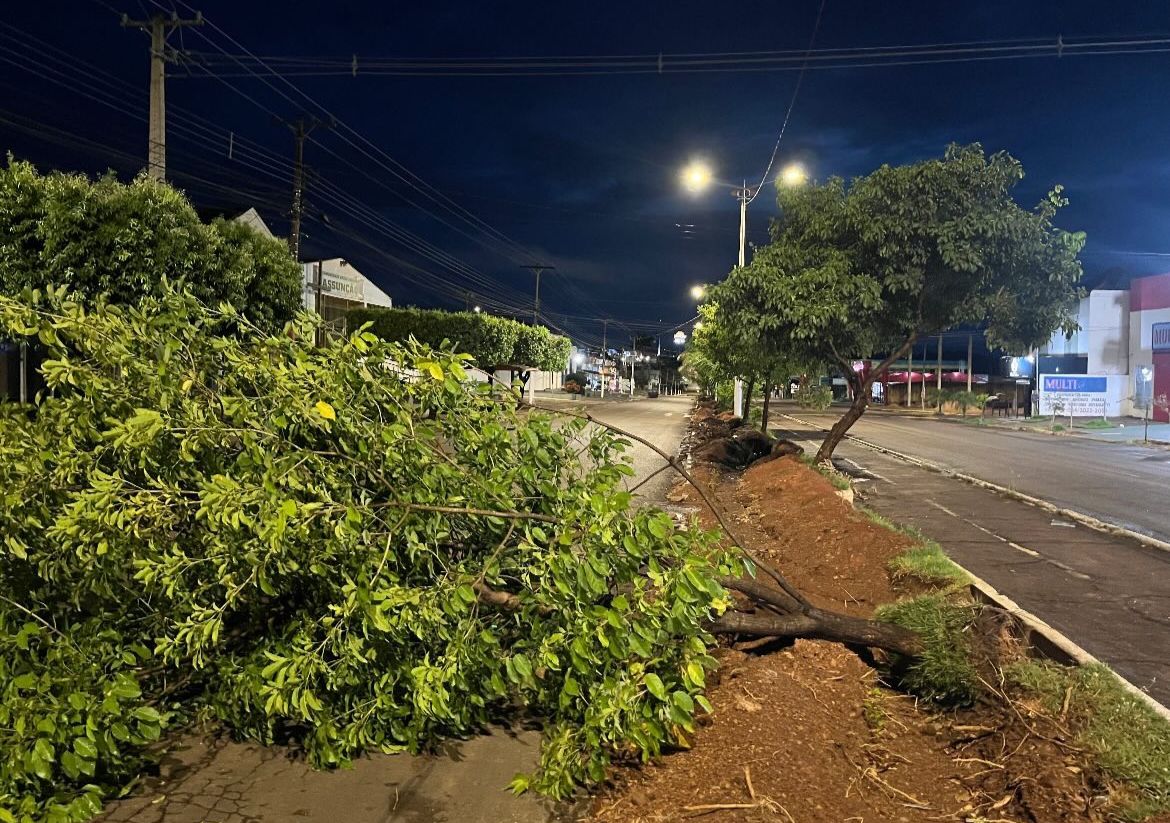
x,y
809,735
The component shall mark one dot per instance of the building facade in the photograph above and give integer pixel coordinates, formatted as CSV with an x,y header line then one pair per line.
x,y
334,287
1122,350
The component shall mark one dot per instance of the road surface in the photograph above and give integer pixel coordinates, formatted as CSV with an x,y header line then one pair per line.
x,y
1110,594
1128,485
464,783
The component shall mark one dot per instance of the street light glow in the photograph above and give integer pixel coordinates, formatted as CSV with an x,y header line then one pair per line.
x,y
478,309
698,292
793,175
696,176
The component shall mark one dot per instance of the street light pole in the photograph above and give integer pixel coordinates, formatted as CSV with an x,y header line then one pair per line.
x,y
742,194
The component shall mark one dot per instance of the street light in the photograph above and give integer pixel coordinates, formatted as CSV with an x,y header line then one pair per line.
x,y
793,175
478,309
698,292
696,176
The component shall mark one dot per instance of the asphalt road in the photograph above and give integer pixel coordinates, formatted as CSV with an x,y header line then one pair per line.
x,y
662,421
1127,485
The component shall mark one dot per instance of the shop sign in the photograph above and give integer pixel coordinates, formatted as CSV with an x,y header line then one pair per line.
x,y
1079,395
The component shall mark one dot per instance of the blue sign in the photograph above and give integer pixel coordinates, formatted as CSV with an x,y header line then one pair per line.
x,y
1074,384
1160,336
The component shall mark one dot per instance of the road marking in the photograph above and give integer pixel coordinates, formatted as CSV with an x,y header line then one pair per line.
x,y
1013,544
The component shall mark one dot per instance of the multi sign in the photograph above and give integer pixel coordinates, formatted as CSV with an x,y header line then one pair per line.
x,y
1079,395
1160,337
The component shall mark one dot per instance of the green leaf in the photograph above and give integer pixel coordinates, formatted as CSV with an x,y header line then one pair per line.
x,y
85,748
654,686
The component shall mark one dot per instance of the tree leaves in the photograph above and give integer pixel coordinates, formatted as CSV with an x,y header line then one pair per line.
x,y
196,531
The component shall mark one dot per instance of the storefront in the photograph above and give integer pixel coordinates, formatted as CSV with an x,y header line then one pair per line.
x,y
334,287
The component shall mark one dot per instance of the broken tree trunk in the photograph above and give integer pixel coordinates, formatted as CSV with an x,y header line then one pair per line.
x,y
781,611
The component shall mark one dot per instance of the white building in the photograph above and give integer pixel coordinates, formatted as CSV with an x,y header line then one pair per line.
x,y
333,287
1122,350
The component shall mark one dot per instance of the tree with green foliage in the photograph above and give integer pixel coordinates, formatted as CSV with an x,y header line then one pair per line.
x,y
204,518
911,251
491,341
124,239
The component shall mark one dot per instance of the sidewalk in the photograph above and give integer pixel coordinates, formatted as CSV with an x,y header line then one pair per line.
x,y
1110,430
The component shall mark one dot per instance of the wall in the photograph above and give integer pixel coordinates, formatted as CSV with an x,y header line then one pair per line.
x,y
342,282
1149,304
1106,332
1058,344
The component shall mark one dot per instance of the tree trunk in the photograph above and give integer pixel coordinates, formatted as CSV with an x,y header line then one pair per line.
x,y
767,406
821,625
747,399
837,433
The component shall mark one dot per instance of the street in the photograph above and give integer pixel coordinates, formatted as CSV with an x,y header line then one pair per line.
x,y
1118,483
663,422
1110,594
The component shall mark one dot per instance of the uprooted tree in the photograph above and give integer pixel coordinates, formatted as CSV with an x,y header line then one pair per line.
x,y
869,267
203,518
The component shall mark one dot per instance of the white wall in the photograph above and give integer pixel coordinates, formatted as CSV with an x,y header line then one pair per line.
x,y
340,269
1058,344
1106,332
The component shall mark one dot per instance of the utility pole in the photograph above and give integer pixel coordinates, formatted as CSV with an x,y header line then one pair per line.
x,y
938,383
604,353
159,28
301,128
743,195
633,358
536,304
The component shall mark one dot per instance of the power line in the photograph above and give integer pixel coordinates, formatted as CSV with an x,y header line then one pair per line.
x,y
791,104
790,60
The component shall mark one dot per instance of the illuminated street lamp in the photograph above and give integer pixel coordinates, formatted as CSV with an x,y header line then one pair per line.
x,y
793,175
696,176
478,309
698,292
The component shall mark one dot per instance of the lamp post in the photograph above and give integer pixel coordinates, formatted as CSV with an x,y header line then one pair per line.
x,y
696,177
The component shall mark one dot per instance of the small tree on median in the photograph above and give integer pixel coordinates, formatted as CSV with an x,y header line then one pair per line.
x,y
873,265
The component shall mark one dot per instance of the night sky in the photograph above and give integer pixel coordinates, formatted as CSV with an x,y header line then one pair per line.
x,y
581,172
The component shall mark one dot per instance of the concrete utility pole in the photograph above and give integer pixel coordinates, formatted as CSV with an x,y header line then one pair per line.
x,y
301,128
938,383
604,354
743,195
536,303
159,28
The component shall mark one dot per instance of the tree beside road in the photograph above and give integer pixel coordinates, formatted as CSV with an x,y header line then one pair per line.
x,y
865,268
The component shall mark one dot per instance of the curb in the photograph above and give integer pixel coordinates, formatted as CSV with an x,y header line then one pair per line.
x,y
1084,519
1054,645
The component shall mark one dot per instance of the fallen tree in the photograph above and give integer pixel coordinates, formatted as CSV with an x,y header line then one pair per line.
x,y
201,518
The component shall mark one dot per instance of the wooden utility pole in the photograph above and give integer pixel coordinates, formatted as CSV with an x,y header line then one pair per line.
x,y
159,28
536,303
301,128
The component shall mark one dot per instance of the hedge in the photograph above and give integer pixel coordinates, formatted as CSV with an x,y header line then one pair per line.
x,y
492,341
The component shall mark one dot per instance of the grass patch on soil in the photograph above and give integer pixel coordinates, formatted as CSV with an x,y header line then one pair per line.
x,y
944,672
1097,424
925,562
840,481
1127,738
928,563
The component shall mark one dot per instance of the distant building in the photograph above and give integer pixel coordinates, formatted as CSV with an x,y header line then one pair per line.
x,y
334,287
1122,352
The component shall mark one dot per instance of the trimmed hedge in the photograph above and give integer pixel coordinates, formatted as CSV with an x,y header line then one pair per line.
x,y
492,341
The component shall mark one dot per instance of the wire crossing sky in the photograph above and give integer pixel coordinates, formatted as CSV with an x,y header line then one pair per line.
x,y
469,141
